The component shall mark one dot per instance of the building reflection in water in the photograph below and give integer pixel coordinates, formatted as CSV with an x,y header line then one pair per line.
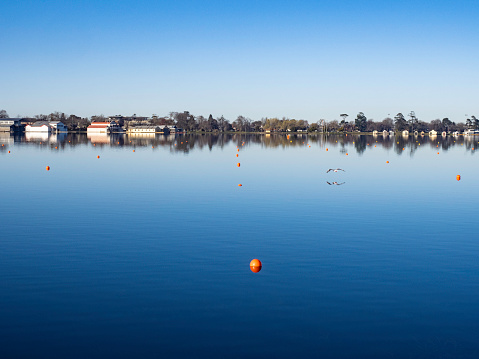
x,y
400,143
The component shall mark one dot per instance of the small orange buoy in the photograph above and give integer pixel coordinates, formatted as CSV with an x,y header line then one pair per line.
x,y
327,149
152,146
387,161
94,144
309,146
56,147
97,156
255,263
403,148
438,153
239,164
347,154
133,150
237,155
458,177
118,142
181,142
240,185
8,151
374,145
48,168
237,150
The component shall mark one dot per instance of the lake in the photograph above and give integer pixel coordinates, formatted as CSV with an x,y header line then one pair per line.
x,y
145,251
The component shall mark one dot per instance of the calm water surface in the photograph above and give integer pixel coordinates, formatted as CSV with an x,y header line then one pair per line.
x,y
146,253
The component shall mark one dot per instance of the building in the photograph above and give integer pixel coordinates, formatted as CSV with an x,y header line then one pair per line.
x,y
144,129
58,126
103,127
39,126
432,133
405,133
11,125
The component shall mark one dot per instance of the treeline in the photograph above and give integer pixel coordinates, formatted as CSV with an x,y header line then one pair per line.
x,y
190,122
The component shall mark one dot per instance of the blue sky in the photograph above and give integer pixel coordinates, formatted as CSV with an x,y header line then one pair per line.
x,y
301,59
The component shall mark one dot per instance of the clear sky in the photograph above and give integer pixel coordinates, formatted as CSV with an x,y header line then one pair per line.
x,y
299,59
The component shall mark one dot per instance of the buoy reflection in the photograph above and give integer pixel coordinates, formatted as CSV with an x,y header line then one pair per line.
x,y
255,269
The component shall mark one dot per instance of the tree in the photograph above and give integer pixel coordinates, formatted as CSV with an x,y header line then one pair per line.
x,y
3,114
387,124
412,121
400,122
343,116
447,123
361,122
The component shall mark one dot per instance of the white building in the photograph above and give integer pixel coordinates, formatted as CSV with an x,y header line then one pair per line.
x,y
144,129
39,126
103,127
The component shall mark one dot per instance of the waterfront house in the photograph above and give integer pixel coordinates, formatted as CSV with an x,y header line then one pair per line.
x,y
11,125
58,126
444,133
103,127
39,126
405,133
144,129
432,133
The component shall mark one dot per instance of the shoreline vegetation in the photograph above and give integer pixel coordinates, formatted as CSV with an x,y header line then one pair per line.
x,y
266,125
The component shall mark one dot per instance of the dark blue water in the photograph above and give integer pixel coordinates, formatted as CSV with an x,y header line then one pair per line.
x,y
146,253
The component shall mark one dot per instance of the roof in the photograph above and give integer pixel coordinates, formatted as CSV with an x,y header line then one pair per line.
x,y
99,125
40,124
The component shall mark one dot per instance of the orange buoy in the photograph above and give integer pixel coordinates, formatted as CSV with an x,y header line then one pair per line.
x,y
347,154
309,146
240,185
152,146
438,153
327,149
458,177
403,148
387,161
239,164
48,168
374,145
133,150
181,142
237,155
238,149
56,147
3,145
255,263
118,142
97,156
94,144
8,151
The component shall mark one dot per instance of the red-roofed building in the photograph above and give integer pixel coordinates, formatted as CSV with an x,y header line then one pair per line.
x,y
103,127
